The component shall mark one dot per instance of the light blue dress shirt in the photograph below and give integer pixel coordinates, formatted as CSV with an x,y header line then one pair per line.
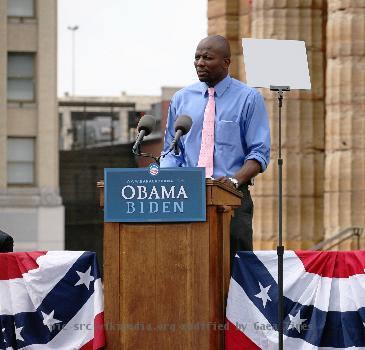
x,y
241,127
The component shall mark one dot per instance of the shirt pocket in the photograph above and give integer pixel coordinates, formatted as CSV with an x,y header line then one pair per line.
x,y
228,133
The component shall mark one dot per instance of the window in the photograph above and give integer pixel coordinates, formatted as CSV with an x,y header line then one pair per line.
x,y
21,8
20,161
20,77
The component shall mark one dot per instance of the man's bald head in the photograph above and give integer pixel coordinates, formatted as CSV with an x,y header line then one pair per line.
x,y
218,42
212,59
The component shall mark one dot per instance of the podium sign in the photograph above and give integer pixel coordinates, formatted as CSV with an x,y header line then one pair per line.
x,y
154,194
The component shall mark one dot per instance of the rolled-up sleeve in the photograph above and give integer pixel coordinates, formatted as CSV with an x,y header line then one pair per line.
x,y
257,131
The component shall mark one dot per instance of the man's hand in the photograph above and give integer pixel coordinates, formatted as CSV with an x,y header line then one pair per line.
x,y
226,180
248,171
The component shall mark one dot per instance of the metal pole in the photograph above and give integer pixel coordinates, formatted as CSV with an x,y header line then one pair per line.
x,y
73,30
280,247
84,127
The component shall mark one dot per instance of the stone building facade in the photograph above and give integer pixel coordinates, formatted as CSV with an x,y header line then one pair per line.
x,y
31,208
323,131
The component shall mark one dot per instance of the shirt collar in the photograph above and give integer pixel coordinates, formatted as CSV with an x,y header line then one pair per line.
x,y
220,88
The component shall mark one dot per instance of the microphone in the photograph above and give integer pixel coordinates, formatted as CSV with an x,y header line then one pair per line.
x,y
145,126
182,126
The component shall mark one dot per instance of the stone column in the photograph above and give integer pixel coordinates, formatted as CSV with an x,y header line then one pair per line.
x,y
302,131
46,91
3,94
223,19
232,19
344,197
123,126
244,31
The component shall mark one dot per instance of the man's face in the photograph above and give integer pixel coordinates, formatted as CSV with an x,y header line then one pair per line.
x,y
210,64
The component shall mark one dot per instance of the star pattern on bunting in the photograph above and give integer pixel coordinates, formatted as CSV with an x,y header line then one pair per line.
x,y
296,322
49,320
263,294
18,335
85,278
3,331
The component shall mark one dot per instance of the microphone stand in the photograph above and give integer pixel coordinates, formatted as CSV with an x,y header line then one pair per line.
x,y
176,149
280,247
138,153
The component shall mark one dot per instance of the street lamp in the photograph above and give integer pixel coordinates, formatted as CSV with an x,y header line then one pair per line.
x,y
73,30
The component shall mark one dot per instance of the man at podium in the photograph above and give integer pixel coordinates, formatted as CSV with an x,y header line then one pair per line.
x,y
230,133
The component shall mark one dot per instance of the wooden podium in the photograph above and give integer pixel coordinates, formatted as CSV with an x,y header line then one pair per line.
x,y
166,284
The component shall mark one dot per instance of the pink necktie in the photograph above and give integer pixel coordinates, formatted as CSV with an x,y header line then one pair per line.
x,y
207,145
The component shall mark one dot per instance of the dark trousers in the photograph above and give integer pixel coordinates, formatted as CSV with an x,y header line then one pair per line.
x,y
241,225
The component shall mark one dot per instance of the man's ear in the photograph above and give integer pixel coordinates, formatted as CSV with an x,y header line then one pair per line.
x,y
227,62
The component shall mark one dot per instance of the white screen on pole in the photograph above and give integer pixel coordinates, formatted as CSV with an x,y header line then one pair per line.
x,y
276,62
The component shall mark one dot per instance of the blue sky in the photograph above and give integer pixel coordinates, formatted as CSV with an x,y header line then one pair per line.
x,y
135,46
